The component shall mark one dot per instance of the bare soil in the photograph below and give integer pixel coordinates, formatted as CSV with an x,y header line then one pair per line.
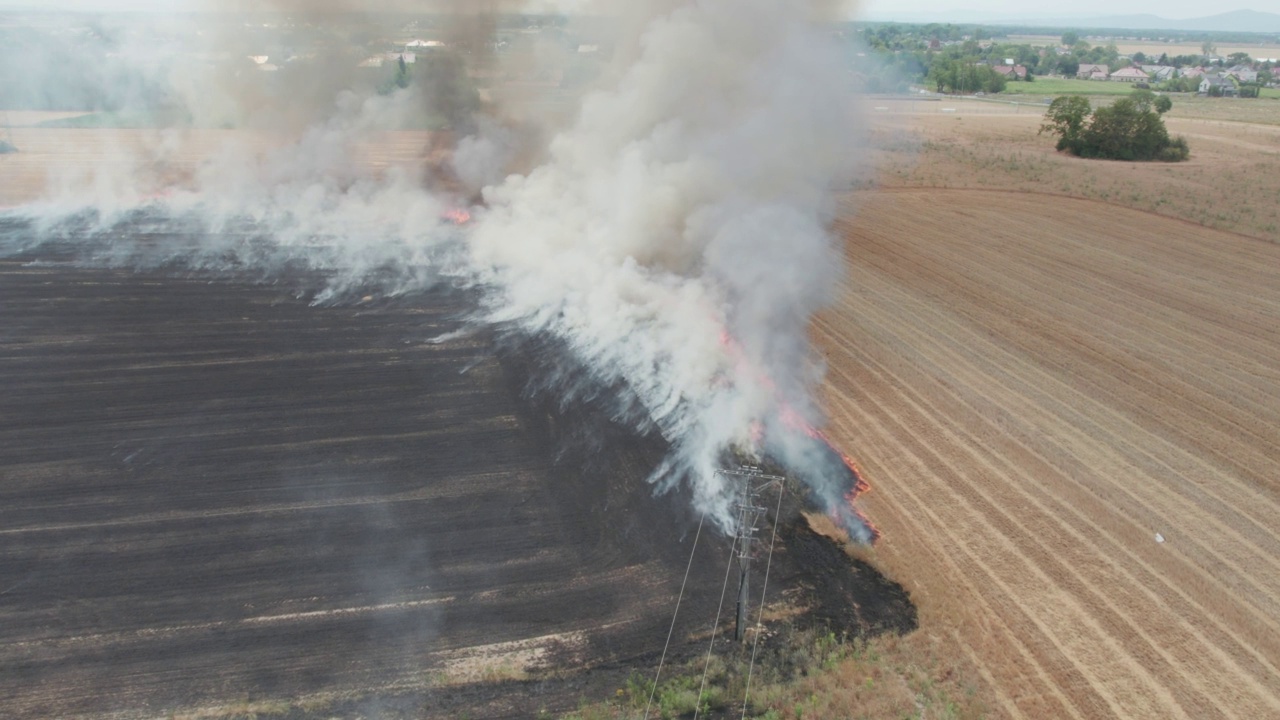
x,y
1037,387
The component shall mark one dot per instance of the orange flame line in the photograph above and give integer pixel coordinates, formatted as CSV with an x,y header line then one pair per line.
x,y
793,419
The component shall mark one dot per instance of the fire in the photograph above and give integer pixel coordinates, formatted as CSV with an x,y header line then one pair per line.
x,y
458,215
860,484
792,419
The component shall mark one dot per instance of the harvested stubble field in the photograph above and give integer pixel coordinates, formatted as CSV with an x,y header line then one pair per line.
x,y
1230,182
65,162
1036,387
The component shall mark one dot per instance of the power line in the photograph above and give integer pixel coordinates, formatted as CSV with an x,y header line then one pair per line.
x,y
755,645
679,597
714,625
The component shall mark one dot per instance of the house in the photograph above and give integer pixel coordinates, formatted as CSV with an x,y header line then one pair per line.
x,y
1012,72
1243,73
1194,72
428,44
1222,85
1088,71
1129,74
1099,75
1159,73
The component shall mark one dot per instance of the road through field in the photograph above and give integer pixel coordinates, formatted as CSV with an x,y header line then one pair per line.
x,y
1068,411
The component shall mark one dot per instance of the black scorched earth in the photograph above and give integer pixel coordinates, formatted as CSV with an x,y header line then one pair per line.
x,y
213,493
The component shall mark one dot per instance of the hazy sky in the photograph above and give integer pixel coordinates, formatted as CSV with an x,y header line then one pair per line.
x,y
879,8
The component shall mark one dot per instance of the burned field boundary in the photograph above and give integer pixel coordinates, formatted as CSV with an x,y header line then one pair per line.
x,y
213,493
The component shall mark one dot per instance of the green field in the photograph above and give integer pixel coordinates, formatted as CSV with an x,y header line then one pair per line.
x,y
1048,86
1059,86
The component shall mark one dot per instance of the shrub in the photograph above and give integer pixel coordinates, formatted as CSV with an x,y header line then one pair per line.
x,y
1176,151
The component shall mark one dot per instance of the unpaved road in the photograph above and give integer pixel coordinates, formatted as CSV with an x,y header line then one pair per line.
x,y
1036,387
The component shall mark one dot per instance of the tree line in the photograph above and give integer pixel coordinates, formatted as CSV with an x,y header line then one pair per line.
x,y
958,58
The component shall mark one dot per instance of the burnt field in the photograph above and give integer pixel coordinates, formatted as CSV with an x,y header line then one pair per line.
x,y
213,493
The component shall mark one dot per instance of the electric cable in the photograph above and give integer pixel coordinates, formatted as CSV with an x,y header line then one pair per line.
x,y
755,645
680,597
706,666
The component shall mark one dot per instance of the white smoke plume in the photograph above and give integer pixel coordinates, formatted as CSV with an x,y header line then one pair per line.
x,y
673,236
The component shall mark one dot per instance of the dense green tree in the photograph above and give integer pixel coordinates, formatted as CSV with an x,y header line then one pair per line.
x,y
1163,104
1181,84
1239,58
1070,38
1066,118
1128,129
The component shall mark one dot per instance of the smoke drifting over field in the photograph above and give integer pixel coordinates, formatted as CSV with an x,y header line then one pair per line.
x,y
672,236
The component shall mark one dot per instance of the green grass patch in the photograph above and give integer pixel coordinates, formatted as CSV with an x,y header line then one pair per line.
x,y
1060,86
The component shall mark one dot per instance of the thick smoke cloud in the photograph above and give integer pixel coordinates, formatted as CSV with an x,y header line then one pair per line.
x,y
672,235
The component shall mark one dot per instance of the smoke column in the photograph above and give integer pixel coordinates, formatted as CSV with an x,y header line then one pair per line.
x,y
673,236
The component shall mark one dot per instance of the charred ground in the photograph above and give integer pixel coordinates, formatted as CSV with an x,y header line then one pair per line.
x,y
212,492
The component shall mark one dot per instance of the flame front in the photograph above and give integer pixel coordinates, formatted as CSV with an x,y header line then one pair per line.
x,y
458,215
795,421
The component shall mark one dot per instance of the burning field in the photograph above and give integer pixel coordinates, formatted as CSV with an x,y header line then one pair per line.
x,y
308,404
218,496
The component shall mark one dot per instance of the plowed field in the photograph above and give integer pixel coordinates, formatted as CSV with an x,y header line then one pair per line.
x,y
1069,411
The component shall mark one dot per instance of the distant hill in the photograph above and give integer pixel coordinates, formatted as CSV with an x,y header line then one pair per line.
x,y
1236,21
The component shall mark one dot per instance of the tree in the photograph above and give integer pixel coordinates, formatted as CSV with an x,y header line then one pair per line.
x,y
1139,57
1163,104
1208,48
1239,58
1128,129
1066,119
1070,38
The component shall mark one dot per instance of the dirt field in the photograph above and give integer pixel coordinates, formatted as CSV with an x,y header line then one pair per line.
x,y
1229,183
1038,387
1035,384
63,162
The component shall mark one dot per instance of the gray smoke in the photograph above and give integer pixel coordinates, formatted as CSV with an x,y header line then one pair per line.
x,y
673,235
